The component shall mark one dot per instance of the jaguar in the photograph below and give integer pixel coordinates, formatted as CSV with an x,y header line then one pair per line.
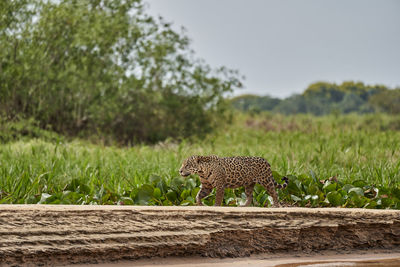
x,y
231,172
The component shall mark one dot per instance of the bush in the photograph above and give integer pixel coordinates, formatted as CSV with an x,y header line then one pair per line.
x,y
23,129
105,68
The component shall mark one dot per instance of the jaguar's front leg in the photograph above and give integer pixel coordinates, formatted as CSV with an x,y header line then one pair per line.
x,y
204,191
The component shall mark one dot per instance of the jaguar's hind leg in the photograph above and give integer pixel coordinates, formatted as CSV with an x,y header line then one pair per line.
x,y
274,195
269,186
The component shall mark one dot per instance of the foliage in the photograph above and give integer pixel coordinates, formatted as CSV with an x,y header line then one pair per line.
x,y
305,191
323,98
387,101
308,191
347,161
254,103
84,68
25,129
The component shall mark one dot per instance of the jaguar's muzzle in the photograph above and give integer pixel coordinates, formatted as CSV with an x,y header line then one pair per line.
x,y
184,174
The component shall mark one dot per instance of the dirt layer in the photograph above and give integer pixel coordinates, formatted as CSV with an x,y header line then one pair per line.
x,y
60,235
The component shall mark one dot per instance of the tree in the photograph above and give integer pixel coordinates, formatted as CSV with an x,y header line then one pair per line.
x,y
292,105
387,101
351,103
254,102
329,91
101,66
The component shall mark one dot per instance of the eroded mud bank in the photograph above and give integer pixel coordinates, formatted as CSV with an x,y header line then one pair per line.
x,y
45,234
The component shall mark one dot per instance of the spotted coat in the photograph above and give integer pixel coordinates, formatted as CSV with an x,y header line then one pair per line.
x,y
232,172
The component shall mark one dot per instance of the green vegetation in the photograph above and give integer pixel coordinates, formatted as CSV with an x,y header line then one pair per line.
x,y
349,161
100,103
323,98
107,70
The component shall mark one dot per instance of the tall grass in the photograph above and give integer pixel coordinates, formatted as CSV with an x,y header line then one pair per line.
x,y
349,147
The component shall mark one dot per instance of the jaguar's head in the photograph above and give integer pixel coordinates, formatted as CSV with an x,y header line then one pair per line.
x,y
189,166
194,165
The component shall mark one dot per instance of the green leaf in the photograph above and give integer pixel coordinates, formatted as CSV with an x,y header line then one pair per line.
x,y
356,190
359,183
29,200
335,198
157,193
313,189
44,198
347,187
186,203
69,197
194,192
177,184
126,201
396,192
83,188
295,198
158,182
258,189
73,185
359,201
145,193
171,196
190,183
329,186
185,193
189,198
154,179
162,185
385,202
261,199
276,175
371,205
167,203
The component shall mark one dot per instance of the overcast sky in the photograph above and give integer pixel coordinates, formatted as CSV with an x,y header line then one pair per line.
x,y
282,46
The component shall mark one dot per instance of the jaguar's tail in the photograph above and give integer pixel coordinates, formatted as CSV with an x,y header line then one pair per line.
x,y
282,186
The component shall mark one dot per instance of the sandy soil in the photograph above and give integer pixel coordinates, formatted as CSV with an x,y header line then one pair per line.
x,y
61,235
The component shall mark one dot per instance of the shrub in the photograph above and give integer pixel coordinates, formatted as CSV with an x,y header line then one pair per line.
x,y
105,68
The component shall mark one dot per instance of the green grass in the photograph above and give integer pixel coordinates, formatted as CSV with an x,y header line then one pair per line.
x,y
363,151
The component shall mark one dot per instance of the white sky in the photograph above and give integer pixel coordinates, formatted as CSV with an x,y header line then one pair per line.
x,y
282,46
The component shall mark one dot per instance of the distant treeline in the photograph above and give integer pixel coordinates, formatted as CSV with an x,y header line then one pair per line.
x,y
324,98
